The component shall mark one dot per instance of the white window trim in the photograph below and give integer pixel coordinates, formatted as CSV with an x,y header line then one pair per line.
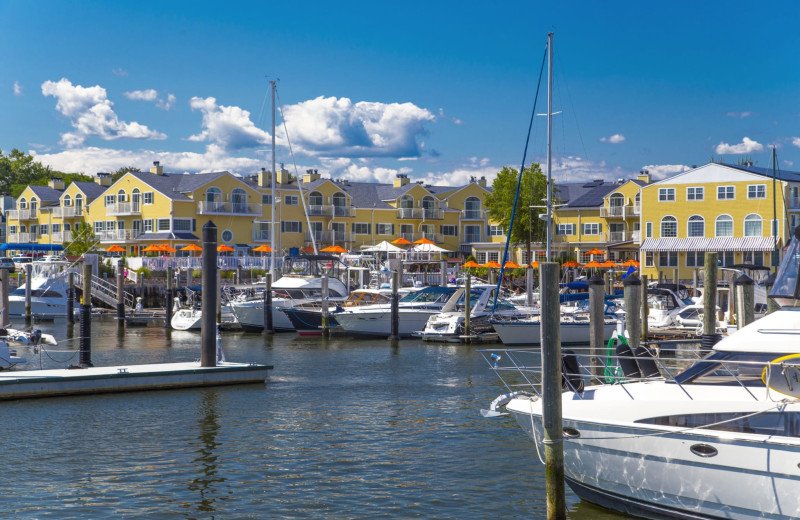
x,y
356,232
756,186
726,198
695,188
666,192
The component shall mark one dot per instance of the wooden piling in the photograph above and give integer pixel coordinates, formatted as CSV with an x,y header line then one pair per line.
x,y
268,326
645,310
209,297
218,297
745,301
529,286
772,306
324,306
551,391
28,314
169,297
71,297
120,294
85,344
394,332
710,336
632,293
467,308
443,273
4,278
596,319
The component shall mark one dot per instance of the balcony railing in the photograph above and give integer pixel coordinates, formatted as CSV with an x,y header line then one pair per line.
x,y
619,236
117,235
637,209
22,214
344,211
62,236
21,238
472,214
228,208
794,203
471,239
616,211
320,211
329,237
124,208
67,212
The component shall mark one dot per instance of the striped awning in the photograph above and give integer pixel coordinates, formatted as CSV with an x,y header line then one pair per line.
x,y
710,244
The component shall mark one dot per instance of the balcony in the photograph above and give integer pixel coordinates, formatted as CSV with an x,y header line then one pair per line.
x,y
637,210
794,203
619,236
62,236
432,214
22,214
21,238
124,208
117,235
320,211
472,214
616,211
344,211
329,237
228,208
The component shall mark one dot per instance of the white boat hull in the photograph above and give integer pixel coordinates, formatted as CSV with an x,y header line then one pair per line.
x,y
378,322
620,466
39,308
187,319
528,332
250,315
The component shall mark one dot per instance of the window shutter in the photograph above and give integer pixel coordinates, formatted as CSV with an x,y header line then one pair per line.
x,y
299,227
353,228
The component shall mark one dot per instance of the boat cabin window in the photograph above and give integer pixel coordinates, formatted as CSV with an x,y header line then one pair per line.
x,y
721,367
784,424
39,293
429,295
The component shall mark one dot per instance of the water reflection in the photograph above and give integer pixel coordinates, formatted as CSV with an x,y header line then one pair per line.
x,y
207,482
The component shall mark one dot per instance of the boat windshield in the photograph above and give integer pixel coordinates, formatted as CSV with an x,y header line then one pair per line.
x,y
429,295
38,293
721,367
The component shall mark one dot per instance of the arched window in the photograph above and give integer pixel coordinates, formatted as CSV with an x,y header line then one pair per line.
x,y
121,195
669,227
23,204
67,200
34,206
239,200
339,204
135,198
315,198
406,202
428,206
78,204
472,207
213,195
696,226
753,226
724,226
615,204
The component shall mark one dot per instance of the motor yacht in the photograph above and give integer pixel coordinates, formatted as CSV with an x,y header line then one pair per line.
x,y
708,438
48,291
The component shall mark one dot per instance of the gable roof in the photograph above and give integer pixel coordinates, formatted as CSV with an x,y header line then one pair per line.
x,y
46,193
92,190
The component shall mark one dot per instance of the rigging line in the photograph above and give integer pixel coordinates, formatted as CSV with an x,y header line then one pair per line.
x,y
572,105
519,182
299,180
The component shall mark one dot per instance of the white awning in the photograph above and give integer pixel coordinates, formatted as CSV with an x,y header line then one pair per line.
x,y
710,244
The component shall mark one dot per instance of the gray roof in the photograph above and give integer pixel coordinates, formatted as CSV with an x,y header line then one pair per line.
x,y
90,189
46,193
175,185
767,172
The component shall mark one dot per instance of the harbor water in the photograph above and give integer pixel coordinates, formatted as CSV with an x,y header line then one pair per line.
x,y
342,429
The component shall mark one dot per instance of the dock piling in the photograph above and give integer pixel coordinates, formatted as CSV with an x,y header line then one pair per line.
x,y
529,286
551,391
71,297
28,314
324,306
4,276
170,295
632,294
209,297
772,306
645,310
443,273
120,293
745,301
394,334
467,308
85,345
596,319
710,336
268,327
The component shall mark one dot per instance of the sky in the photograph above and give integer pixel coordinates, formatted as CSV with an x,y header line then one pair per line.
x,y
440,91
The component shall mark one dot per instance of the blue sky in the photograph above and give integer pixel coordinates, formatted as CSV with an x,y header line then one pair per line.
x,y
440,91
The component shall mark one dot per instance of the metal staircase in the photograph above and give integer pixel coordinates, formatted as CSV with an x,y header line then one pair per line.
x,y
106,292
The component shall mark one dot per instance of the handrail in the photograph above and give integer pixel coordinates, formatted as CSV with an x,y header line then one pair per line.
x,y
105,291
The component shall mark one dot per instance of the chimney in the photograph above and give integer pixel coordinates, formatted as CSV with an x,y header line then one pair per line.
x,y
311,176
264,178
645,177
482,181
56,183
103,179
400,180
157,168
283,176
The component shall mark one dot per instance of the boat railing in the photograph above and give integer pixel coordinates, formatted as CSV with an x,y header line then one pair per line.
x,y
520,370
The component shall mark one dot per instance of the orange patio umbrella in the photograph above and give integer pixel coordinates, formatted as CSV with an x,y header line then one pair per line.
x,y
225,248
492,264
571,263
630,263
115,249
167,248
424,240
333,249
263,248
401,242
593,264
152,248
535,264
609,263
595,251
192,247
511,265
471,263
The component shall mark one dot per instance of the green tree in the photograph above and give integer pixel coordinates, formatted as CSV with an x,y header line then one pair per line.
x,y
528,227
83,239
122,171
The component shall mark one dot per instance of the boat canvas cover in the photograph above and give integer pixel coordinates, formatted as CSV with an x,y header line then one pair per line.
x,y
31,247
709,244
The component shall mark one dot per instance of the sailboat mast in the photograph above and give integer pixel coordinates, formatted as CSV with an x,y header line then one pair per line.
x,y
274,179
549,144
774,213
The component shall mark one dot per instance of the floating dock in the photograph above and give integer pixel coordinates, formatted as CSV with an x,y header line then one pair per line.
x,y
96,380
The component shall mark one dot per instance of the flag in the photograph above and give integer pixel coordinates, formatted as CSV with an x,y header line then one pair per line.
x,y
631,270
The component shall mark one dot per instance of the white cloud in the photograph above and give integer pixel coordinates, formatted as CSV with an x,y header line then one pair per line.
x,y
614,139
229,128
327,127
741,115
746,146
17,89
91,160
796,141
662,171
151,95
91,114
119,71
